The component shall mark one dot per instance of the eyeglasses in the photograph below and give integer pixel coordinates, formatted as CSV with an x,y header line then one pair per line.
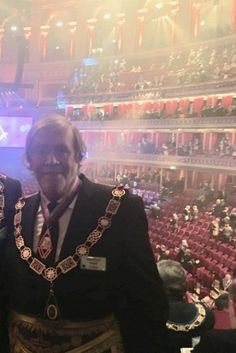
x,y
43,151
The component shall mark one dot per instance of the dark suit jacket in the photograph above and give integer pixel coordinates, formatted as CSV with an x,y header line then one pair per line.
x,y
130,287
182,313
11,192
217,341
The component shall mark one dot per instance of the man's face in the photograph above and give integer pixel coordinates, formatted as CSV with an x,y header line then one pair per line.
x,y
53,161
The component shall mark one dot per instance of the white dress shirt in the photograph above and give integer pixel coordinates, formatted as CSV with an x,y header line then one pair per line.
x,y
63,225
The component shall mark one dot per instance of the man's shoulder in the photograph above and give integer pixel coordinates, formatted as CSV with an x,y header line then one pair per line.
x,y
189,317
105,192
115,191
98,188
8,181
30,197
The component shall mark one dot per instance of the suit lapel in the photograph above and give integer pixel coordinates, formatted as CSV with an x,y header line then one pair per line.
x,y
81,222
29,212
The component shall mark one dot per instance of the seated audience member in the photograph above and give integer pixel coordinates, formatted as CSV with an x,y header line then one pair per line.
x,y
187,213
224,214
215,227
155,211
225,221
226,233
199,292
217,208
226,281
194,214
182,249
215,288
186,320
187,261
221,312
174,221
161,252
165,255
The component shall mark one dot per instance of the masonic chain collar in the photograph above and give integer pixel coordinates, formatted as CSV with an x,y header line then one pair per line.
x,y
50,274
2,197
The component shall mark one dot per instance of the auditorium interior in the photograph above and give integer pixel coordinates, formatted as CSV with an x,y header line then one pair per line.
x,y
151,85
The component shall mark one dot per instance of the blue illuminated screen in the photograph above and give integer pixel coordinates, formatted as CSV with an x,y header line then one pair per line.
x,y
89,61
13,131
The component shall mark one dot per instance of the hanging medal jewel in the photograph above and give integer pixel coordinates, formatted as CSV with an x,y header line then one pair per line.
x,y
45,245
52,310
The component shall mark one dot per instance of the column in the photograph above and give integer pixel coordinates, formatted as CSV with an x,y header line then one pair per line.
x,y
177,141
186,180
72,30
120,29
233,139
141,14
193,178
174,11
161,177
2,30
27,35
233,19
210,142
44,30
35,37
204,141
90,26
195,17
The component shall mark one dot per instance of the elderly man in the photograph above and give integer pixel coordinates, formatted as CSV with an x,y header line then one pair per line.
x,y
81,275
186,320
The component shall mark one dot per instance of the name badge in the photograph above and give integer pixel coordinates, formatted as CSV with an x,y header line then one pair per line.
x,y
93,263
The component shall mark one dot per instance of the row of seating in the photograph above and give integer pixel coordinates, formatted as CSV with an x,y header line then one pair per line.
x,y
216,258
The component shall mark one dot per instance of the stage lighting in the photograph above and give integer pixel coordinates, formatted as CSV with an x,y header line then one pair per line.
x,y
159,5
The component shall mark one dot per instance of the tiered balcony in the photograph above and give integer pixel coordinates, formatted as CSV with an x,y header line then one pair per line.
x,y
211,123
172,162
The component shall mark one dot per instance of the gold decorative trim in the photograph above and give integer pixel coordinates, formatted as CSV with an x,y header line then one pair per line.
x,y
67,264
37,266
104,335
2,198
201,315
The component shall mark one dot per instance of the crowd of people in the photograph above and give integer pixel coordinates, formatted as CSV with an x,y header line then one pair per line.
x,y
167,145
179,68
185,292
223,225
154,113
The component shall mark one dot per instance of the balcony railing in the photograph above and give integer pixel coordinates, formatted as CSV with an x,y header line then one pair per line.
x,y
172,162
150,124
